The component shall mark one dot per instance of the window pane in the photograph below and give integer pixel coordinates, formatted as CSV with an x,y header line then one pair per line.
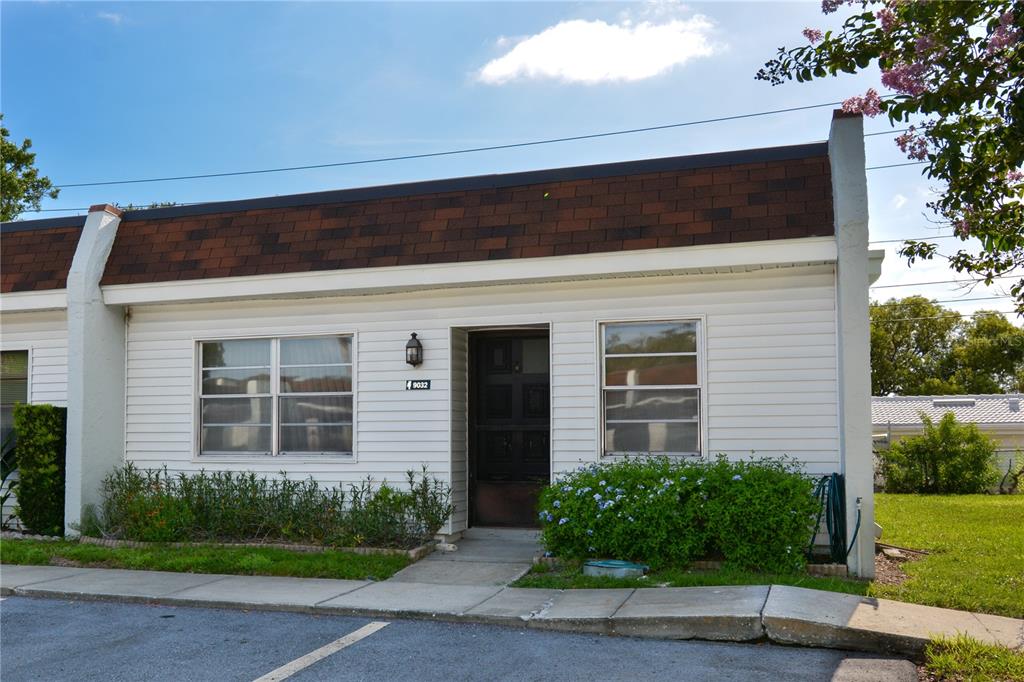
x,y
235,381
651,371
332,409
13,364
336,379
651,337
316,351
535,356
316,438
657,404
237,411
253,439
654,437
240,353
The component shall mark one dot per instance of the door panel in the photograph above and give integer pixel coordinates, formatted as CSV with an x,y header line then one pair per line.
x,y
510,422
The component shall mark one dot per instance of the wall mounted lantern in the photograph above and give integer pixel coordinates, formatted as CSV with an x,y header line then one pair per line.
x,y
414,351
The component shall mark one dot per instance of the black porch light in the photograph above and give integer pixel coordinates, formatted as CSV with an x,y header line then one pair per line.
x,y
414,351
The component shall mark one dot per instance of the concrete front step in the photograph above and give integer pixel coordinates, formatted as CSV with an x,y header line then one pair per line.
x,y
784,615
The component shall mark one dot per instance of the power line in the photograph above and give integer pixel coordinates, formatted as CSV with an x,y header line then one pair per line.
x,y
894,241
944,281
887,132
948,315
896,165
966,300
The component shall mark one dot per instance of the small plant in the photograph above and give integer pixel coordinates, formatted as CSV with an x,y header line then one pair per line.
x,y
946,458
967,659
8,479
41,438
756,515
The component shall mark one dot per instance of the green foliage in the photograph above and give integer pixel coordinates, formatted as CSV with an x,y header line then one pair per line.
x,y
946,458
41,438
8,467
976,550
231,506
956,70
919,347
204,559
964,659
21,186
667,512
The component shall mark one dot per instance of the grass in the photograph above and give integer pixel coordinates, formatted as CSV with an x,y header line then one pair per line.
x,y
968,660
976,545
571,577
199,559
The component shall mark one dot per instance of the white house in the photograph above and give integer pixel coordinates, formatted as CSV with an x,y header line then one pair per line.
x,y
690,306
998,416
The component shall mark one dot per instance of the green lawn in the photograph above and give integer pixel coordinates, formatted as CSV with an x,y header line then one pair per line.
x,y
967,660
230,560
976,545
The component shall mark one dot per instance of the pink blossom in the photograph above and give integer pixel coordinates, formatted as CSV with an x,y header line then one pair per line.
x,y
961,228
813,35
887,18
913,145
870,104
905,78
1005,34
1015,176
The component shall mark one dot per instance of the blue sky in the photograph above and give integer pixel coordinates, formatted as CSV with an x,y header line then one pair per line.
x,y
131,90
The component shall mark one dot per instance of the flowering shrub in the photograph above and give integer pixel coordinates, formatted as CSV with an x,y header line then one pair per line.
x,y
756,515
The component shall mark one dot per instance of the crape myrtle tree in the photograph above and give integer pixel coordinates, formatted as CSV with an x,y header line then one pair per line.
x,y
955,71
21,186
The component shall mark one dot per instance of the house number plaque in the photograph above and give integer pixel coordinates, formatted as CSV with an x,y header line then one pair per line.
x,y
417,385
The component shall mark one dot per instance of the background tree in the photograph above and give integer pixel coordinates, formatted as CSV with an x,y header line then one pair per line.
x,y
911,339
957,73
919,347
21,186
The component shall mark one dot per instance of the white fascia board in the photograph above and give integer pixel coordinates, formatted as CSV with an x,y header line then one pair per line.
x,y
678,260
31,301
875,258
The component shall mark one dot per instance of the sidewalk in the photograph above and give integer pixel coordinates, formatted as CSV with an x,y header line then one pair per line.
x,y
785,615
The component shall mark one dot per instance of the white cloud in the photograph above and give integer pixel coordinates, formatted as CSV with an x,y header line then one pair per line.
x,y
899,201
581,51
113,17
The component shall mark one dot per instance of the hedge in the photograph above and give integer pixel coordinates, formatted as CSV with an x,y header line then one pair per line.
x,y
41,442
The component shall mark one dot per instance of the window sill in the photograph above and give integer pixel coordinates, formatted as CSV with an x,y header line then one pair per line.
x,y
270,459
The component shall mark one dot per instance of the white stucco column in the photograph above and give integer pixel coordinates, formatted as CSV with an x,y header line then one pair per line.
x,y
96,359
853,275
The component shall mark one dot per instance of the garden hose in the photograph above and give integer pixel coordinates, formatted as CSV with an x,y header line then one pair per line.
x,y
829,492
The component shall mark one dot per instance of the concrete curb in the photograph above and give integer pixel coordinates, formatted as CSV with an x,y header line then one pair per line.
x,y
777,614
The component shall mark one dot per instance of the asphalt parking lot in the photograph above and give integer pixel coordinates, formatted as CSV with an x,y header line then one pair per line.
x,y
44,639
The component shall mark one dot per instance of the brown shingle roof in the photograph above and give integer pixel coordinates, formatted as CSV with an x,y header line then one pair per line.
x,y
736,202
37,259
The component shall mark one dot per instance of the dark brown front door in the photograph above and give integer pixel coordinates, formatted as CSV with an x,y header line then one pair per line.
x,y
510,422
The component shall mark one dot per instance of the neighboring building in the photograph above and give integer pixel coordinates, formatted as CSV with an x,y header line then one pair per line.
x,y
689,306
998,416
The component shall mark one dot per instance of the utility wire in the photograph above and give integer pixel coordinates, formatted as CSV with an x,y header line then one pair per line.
x,y
914,239
896,165
470,150
951,314
944,281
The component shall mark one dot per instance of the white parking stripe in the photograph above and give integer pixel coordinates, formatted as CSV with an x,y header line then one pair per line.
x,y
289,669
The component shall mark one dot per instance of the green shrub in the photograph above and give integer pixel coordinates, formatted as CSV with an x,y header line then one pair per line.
x,y
41,443
756,515
947,458
244,507
760,515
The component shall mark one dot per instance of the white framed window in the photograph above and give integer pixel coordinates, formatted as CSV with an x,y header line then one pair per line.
x,y
14,378
276,396
651,387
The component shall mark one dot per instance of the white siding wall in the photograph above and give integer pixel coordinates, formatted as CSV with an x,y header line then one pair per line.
x,y
770,382
45,336
460,428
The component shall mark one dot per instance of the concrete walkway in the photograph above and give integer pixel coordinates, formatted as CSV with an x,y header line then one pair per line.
x,y
785,615
485,557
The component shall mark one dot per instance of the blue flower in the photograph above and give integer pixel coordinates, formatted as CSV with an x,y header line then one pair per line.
x,y
566,488
550,518
562,521
737,477
590,531
543,514
603,483
630,519
597,496
682,478
557,504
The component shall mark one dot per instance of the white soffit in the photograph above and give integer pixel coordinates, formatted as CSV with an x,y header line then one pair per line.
x,y
710,259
